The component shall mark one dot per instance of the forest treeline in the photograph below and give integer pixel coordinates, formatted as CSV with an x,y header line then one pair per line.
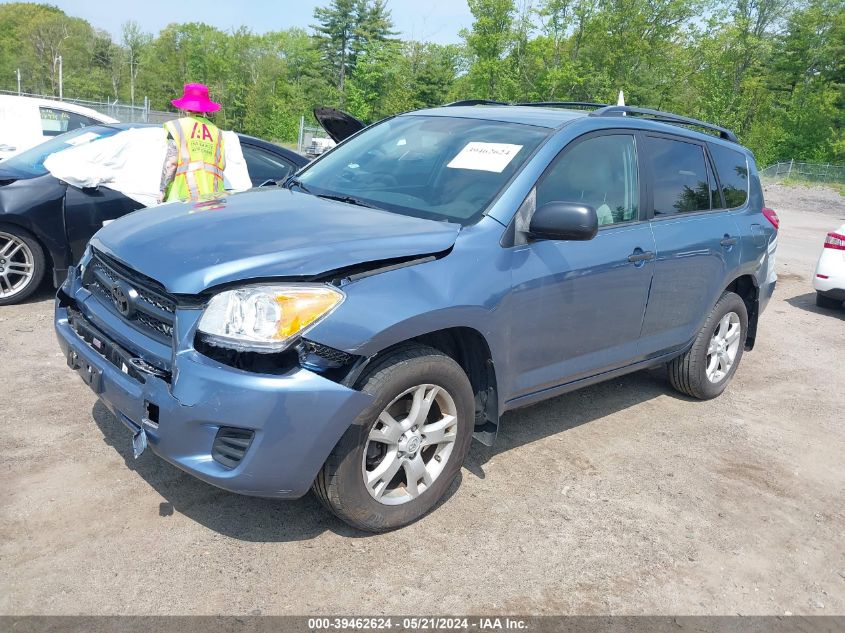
x,y
772,70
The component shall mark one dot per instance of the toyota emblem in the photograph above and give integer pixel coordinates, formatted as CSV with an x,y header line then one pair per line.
x,y
123,299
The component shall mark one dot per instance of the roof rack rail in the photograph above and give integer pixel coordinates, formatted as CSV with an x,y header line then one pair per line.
x,y
563,104
666,117
473,102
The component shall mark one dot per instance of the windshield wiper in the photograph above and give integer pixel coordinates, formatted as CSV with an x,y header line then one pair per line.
x,y
347,200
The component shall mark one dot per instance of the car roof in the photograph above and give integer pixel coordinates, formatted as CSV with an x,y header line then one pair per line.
x,y
556,117
527,115
21,101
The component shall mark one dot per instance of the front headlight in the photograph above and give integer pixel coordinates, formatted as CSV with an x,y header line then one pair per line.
x,y
266,318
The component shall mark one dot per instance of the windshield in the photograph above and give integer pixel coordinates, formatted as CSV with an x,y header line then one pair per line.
x,y
434,167
31,161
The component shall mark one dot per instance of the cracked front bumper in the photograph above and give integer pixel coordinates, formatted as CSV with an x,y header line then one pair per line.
x,y
297,417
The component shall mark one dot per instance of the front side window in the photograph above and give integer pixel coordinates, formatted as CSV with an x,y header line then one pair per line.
x,y
264,166
732,168
679,176
600,171
437,167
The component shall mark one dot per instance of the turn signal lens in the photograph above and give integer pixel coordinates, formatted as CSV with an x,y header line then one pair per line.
x,y
266,318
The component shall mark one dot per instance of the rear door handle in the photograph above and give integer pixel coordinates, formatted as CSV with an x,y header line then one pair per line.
x,y
640,256
728,241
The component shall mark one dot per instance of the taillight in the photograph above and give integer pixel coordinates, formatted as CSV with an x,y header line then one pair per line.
x,y
836,241
771,216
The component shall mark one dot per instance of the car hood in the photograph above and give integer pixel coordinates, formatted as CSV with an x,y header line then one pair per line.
x,y
262,234
338,125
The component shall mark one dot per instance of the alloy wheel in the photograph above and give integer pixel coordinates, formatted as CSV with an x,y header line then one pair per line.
x,y
723,347
17,265
409,444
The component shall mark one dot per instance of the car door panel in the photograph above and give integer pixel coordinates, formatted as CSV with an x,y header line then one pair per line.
x,y
697,244
582,306
582,302
87,210
690,271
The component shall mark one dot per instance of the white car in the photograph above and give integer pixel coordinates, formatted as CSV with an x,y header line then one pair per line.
x,y
27,121
829,280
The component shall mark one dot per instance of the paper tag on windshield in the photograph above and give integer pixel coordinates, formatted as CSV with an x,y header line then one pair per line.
x,y
485,156
82,138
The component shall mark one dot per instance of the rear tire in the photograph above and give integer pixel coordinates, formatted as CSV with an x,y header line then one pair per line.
x,y
377,479
22,264
826,302
705,370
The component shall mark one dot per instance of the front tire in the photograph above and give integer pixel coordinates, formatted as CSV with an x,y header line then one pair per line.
x,y
402,453
705,370
22,264
826,302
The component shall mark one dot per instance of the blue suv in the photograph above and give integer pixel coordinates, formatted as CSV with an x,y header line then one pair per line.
x,y
354,329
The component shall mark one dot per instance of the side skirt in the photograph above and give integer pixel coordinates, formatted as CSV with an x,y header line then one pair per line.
x,y
551,392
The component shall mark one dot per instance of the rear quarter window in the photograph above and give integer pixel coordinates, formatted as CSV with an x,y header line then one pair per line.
x,y
732,168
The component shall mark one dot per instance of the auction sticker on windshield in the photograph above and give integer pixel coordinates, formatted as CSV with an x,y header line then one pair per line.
x,y
485,156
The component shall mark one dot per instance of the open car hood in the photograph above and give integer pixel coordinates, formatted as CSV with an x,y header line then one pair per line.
x,y
263,234
337,124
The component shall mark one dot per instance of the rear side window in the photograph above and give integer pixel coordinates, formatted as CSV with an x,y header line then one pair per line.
x,y
679,177
732,168
55,122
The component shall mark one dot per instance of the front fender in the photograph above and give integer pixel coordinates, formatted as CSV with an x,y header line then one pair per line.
x,y
37,205
462,289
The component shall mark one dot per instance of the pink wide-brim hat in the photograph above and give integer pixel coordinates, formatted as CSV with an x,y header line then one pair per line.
x,y
196,99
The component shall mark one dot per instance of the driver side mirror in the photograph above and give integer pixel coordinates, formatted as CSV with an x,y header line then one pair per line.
x,y
564,221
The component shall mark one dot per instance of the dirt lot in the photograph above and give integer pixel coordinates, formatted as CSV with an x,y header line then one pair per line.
x,y
621,498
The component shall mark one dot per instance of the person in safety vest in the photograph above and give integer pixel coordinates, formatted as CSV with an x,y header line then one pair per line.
x,y
194,164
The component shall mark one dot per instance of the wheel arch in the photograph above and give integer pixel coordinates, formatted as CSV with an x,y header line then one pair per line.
x,y
748,290
470,349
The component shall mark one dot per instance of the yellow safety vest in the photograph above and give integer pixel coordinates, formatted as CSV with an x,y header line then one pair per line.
x,y
200,161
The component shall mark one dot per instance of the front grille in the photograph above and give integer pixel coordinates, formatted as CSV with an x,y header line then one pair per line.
x,y
230,445
108,349
147,307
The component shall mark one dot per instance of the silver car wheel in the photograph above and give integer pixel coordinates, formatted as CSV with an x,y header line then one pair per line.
x,y
723,347
409,445
17,265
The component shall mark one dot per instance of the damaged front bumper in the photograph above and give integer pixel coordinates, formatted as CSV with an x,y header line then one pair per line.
x,y
282,427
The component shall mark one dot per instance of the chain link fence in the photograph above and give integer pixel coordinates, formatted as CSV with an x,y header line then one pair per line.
x,y
811,172
124,113
312,141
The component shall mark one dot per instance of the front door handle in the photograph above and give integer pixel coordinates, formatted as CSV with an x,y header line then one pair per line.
x,y
640,256
728,241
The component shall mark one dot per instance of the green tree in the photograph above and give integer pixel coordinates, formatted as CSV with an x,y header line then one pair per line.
x,y
488,41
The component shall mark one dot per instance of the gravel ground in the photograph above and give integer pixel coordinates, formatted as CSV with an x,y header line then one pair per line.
x,y
620,498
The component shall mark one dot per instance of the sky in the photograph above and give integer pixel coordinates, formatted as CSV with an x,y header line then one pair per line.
x,y
426,20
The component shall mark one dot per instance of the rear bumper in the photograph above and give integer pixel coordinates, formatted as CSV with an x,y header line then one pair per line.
x,y
831,267
297,417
